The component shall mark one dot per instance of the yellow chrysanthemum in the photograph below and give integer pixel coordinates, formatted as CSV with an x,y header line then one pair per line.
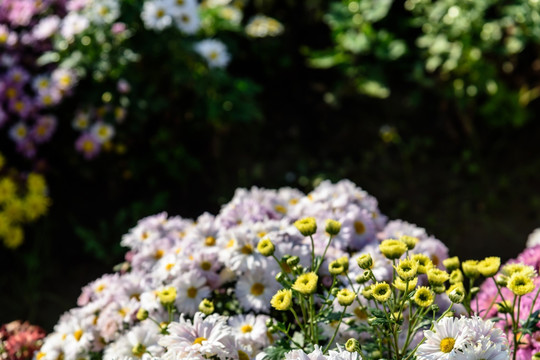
x,y
345,297
36,183
392,249
520,284
266,247
437,276
489,266
307,226
423,296
306,283
333,227
456,276
410,241
367,292
470,268
424,263
365,261
35,205
282,300
381,291
14,210
518,268
451,263
335,268
167,296
407,269
8,190
13,237
402,285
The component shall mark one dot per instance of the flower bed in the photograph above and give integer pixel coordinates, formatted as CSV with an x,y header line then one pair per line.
x,y
280,274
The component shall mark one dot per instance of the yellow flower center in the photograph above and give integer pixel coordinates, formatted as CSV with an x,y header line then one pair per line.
x,y
280,209
160,13
78,334
359,227
88,146
159,254
199,340
185,18
447,344
138,350
247,249
206,265
100,288
192,292
360,313
40,355
210,241
169,266
257,289
246,328
230,243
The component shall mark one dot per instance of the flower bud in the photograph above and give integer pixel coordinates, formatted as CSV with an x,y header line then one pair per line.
x,y
505,307
307,226
435,308
335,268
352,345
364,277
536,356
280,277
142,314
266,247
456,296
365,261
410,241
502,280
451,264
437,277
206,307
167,296
269,322
438,289
344,261
333,227
293,261
489,266
470,268
456,276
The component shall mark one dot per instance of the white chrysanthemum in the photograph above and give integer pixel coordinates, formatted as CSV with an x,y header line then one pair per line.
x,y
214,52
156,14
534,238
187,19
139,342
250,329
255,289
18,132
167,268
202,339
102,131
263,26
46,27
138,236
316,354
103,11
486,330
78,336
72,25
240,250
483,350
446,339
191,289
343,354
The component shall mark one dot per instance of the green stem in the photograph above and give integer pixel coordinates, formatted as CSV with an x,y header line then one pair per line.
x,y
336,331
324,254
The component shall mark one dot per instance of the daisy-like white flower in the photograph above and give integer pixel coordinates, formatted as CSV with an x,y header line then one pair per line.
x,y
191,289
139,343
102,131
18,132
214,52
485,330
343,354
202,339
87,145
156,14
73,24
81,120
483,350
255,289
187,19
250,329
46,27
103,11
446,339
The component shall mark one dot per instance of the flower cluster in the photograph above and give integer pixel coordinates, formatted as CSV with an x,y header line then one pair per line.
x,y
23,199
271,277
29,90
19,341
511,297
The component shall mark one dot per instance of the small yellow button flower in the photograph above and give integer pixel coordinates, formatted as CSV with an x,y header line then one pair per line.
x,y
333,227
406,269
451,263
423,296
424,263
345,297
167,296
470,268
365,261
381,291
410,241
266,247
282,300
489,266
306,283
307,226
392,249
437,276
520,284
403,285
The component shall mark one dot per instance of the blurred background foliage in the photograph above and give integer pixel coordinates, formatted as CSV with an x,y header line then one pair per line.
x,y
430,106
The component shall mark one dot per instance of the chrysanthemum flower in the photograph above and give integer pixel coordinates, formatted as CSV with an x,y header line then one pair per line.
x,y
214,52
444,341
381,291
489,266
306,283
423,296
393,249
282,300
406,269
520,284
255,290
